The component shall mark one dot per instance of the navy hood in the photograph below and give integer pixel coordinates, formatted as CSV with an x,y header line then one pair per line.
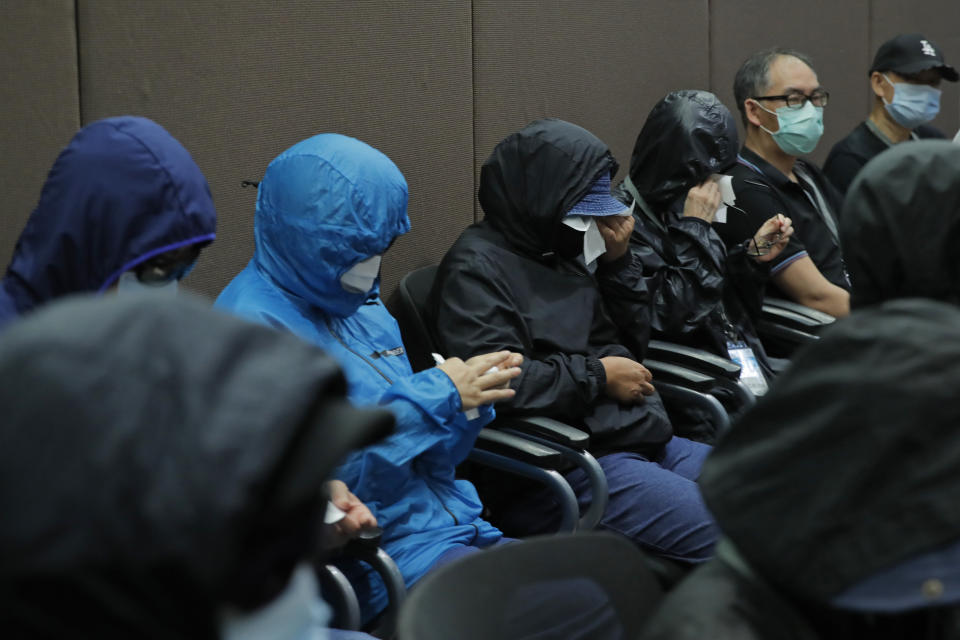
x,y
123,191
900,227
688,135
536,175
325,204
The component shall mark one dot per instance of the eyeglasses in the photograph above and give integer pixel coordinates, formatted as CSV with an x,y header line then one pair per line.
x,y
763,247
797,100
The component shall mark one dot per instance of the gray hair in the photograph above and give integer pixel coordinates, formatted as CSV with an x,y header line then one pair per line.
x,y
753,77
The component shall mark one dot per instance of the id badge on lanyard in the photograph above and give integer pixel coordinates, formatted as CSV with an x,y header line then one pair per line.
x,y
750,373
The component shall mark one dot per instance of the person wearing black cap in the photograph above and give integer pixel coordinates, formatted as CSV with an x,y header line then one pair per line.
x,y
905,79
842,522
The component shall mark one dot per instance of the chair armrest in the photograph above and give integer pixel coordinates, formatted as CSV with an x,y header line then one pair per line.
x,y
794,320
782,332
578,455
678,393
692,358
519,449
803,310
522,457
547,428
671,373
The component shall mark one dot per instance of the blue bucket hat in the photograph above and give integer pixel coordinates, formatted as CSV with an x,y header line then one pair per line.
x,y
598,201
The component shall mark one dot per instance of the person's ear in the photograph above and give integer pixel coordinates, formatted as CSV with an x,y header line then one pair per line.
x,y
879,85
753,111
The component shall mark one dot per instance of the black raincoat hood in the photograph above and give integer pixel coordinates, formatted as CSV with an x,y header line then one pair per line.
x,y
534,176
849,464
900,227
159,460
687,136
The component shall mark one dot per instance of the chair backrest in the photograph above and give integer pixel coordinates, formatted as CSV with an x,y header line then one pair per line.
x,y
409,304
590,585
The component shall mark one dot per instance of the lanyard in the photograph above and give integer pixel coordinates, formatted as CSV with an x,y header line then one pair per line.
x,y
642,204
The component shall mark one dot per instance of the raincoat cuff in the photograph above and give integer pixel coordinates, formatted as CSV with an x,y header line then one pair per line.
x,y
596,371
619,264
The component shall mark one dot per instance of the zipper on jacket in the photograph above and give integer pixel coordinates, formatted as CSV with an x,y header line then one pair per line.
x,y
326,322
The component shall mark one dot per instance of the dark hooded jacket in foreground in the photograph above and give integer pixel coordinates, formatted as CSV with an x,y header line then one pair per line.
x,y
900,227
123,191
700,291
513,282
159,461
859,475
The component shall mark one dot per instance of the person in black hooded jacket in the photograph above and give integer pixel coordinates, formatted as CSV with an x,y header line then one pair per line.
x,y
521,279
901,225
842,522
701,291
161,472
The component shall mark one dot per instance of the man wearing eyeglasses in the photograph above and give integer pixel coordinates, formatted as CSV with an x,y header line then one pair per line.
x,y
781,104
905,79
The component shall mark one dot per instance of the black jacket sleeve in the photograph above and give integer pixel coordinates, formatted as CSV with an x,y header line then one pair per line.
x,y
474,313
681,269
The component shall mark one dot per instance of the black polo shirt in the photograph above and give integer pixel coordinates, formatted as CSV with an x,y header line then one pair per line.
x,y
762,191
850,154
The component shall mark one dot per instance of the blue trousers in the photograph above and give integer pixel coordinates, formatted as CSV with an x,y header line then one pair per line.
x,y
653,501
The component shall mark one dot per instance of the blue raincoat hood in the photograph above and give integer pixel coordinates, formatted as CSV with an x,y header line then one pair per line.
x,y
325,204
122,191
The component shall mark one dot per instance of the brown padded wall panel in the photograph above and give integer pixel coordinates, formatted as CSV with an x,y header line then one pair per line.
x,y
41,108
833,33
238,82
936,19
601,65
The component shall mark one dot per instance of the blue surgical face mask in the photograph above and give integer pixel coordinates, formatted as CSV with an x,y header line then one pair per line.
x,y
800,129
913,104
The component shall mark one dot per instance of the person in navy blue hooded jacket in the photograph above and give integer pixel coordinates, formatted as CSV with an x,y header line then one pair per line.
x,y
124,205
327,209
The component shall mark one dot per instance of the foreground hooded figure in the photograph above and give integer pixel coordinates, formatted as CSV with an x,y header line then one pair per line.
x,y
124,205
532,278
700,292
901,225
161,472
843,522
327,209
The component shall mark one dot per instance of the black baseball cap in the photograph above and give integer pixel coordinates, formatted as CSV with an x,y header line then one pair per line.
x,y
911,53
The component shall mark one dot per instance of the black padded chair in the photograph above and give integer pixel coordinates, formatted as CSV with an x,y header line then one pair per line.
x,y
585,586
340,595
785,326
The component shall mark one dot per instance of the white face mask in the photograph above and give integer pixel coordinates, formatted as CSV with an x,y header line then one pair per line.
x,y
297,613
360,277
128,283
594,245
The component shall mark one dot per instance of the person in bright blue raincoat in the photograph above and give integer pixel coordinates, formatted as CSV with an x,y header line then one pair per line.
x,y
327,209
124,204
